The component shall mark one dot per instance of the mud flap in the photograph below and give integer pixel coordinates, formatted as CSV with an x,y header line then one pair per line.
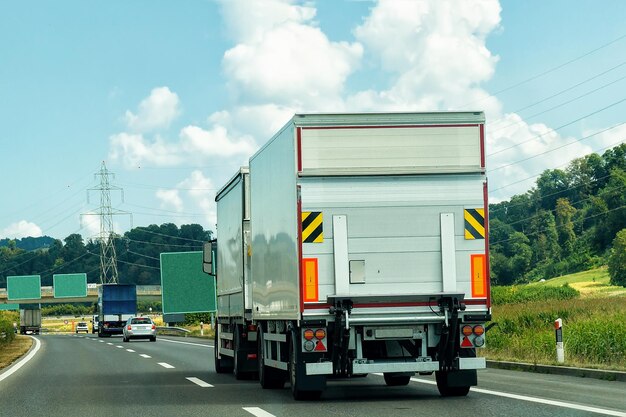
x,y
466,378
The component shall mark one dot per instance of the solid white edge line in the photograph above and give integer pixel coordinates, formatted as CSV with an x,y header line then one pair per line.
x,y
166,365
199,382
259,412
17,365
538,400
187,343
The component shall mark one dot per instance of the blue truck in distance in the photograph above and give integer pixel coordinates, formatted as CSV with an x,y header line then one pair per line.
x,y
116,304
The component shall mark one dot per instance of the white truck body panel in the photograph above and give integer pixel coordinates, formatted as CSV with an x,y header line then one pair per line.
x,y
383,183
416,148
274,219
232,257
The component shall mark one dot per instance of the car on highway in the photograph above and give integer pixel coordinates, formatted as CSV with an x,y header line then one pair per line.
x,y
82,326
139,328
94,324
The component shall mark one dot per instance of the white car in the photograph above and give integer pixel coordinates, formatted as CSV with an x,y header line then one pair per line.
x,y
82,327
139,328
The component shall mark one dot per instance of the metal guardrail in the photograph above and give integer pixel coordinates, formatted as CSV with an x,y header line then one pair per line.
x,y
177,330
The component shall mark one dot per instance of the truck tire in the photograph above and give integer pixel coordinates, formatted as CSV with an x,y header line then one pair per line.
x,y
270,378
296,374
237,365
445,389
220,367
395,380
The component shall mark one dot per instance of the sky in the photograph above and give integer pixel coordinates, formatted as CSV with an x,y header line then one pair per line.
x,y
174,96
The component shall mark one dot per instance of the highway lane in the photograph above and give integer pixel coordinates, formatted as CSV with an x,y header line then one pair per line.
x,y
85,375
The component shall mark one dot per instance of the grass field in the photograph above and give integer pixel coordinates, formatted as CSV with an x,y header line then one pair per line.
x,y
14,350
588,283
594,325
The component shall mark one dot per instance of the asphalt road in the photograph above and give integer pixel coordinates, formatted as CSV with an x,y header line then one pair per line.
x,y
85,376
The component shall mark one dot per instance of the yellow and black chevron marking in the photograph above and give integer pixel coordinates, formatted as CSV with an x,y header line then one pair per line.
x,y
312,227
474,223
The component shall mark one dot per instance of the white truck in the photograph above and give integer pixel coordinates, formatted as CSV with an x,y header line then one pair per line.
x,y
357,244
30,320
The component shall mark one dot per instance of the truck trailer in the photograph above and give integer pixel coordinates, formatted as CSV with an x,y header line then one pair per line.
x,y
357,244
116,304
30,319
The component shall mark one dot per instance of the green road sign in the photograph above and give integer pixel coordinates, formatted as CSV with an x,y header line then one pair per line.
x,y
25,287
185,288
69,285
9,307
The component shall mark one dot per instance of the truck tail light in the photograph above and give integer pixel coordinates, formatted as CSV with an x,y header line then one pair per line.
x,y
467,330
252,328
308,334
320,334
478,330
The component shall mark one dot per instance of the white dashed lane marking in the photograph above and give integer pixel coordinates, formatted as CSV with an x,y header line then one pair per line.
x,y
199,382
166,365
143,355
258,412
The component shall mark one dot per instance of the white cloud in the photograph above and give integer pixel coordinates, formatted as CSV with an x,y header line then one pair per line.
x,y
284,59
198,142
20,230
170,199
133,150
439,56
156,111
198,193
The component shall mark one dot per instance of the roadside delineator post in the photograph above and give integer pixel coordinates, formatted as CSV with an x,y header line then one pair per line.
x,y
560,352
201,328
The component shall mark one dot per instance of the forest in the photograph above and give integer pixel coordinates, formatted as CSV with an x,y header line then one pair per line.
x,y
566,223
137,252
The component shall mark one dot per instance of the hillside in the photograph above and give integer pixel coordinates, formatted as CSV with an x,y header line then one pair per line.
x,y
29,243
566,223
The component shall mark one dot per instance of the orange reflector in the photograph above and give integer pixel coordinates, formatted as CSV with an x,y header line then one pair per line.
x,y
479,330
466,343
466,330
309,279
319,347
320,334
479,275
308,334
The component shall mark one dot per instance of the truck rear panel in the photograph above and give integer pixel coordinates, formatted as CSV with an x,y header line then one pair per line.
x,y
370,204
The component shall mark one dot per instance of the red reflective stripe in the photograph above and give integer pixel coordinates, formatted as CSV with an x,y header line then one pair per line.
x,y
299,140
384,127
487,267
482,146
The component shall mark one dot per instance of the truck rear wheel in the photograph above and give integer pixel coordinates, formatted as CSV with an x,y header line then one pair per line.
x,y
270,378
395,380
447,388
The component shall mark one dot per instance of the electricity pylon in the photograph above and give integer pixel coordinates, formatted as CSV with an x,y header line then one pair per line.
x,y
108,257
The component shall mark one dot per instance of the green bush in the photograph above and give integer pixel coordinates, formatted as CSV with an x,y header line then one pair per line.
x,y
524,294
617,260
7,332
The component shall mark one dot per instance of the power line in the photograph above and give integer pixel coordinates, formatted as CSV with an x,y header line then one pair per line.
x,y
548,71
557,227
558,105
173,237
560,127
554,210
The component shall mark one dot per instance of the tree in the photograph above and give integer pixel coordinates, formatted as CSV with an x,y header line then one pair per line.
x,y
617,260
565,226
